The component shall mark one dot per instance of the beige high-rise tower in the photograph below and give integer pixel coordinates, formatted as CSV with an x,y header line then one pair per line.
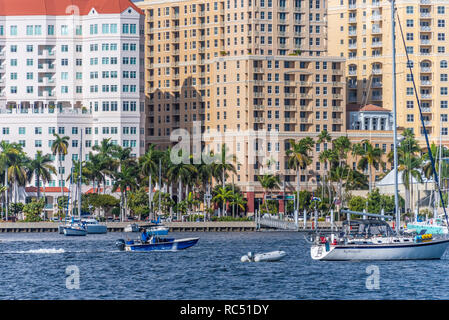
x,y
361,32
242,69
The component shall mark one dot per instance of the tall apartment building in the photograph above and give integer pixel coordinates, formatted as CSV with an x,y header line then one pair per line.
x,y
361,33
242,69
71,66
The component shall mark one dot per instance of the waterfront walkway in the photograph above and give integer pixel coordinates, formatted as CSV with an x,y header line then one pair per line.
x,y
217,226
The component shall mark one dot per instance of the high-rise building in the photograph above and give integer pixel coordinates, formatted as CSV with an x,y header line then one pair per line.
x,y
243,69
361,33
71,67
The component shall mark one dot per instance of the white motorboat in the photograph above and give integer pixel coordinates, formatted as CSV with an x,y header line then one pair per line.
x,y
263,257
375,240
94,227
133,227
75,230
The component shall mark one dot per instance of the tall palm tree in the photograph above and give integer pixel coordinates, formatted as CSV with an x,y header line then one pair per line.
x,y
324,136
239,201
268,182
371,157
106,151
17,172
224,162
42,168
298,158
60,148
8,151
223,195
149,166
125,180
181,173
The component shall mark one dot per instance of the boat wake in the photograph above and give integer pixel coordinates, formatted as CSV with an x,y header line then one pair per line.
x,y
39,251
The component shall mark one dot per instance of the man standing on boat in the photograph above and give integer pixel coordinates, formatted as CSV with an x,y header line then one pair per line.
x,y
144,236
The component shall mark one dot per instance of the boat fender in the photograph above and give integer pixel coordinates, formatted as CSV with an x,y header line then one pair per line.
x,y
323,239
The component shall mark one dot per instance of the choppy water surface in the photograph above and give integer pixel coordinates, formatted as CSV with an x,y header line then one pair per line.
x,y
33,266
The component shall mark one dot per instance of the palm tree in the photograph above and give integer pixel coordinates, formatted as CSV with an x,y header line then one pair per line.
x,y
60,147
204,177
41,167
182,173
125,180
8,152
324,136
371,157
224,162
223,195
268,182
238,201
17,172
106,152
149,164
298,158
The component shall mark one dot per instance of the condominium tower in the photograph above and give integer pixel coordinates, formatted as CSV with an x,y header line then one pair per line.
x,y
361,33
71,67
243,69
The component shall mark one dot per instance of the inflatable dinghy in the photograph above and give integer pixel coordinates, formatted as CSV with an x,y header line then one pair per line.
x,y
263,257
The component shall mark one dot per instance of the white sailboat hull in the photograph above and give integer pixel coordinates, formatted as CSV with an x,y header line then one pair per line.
x,y
410,251
74,231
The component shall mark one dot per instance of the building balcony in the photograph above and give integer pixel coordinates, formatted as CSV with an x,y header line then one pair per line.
x,y
337,109
376,71
377,97
376,44
352,72
306,120
376,30
289,120
426,70
426,83
290,108
337,72
425,15
258,70
258,94
352,85
46,54
337,121
352,20
425,29
258,107
46,68
352,33
425,42
46,94
337,96
376,18
47,82
352,46
426,96
290,95
305,96
306,108
426,110
259,120
376,85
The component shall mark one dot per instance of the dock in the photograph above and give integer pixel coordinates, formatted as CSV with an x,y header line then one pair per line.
x,y
219,226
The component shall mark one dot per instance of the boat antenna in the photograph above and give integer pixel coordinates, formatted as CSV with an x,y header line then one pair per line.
x,y
429,150
395,129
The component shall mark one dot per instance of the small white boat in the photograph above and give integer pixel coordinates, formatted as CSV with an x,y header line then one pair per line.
x,y
134,227
263,257
75,230
94,227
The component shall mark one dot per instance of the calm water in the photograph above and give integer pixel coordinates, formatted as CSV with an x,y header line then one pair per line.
x,y
33,266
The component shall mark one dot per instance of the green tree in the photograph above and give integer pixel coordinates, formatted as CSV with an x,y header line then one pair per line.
x,y
60,147
33,210
42,168
371,157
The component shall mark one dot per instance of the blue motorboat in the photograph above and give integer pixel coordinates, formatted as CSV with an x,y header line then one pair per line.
x,y
156,243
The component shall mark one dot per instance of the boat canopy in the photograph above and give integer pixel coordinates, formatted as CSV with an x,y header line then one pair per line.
x,y
367,227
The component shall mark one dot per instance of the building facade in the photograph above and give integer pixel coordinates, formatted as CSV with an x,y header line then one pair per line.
x,y
243,70
361,33
71,67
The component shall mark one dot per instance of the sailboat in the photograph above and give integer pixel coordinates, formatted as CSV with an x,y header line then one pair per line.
x,y
76,227
373,239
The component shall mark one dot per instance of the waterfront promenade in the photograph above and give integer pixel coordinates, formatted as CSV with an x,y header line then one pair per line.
x,y
218,226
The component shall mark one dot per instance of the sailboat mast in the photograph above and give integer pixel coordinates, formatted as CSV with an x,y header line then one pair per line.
x,y
439,167
395,129
80,175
